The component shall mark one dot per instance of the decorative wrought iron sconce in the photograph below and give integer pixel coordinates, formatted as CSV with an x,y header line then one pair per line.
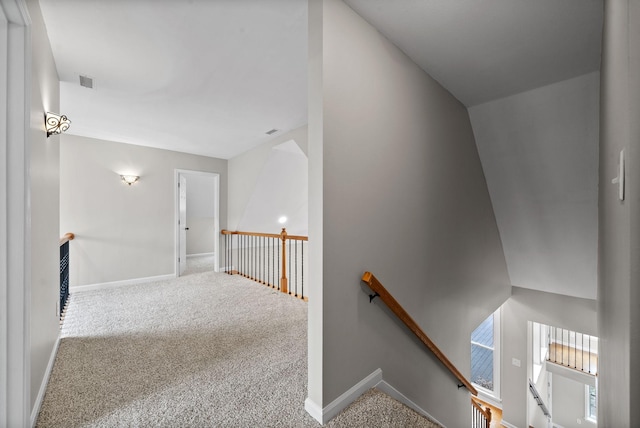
x,y
56,123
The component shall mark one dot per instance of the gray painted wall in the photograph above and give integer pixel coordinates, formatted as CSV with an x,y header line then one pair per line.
x,y
245,173
281,191
44,203
539,151
569,403
619,222
546,308
396,187
124,232
200,214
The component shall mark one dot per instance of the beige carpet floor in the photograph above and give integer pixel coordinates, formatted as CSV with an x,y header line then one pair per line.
x,y
203,350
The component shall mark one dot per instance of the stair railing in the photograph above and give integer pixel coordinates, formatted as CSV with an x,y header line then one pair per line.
x,y
274,260
538,398
480,417
572,349
398,310
64,272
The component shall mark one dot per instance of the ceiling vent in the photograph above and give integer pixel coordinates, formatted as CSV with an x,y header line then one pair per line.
x,y
85,81
271,132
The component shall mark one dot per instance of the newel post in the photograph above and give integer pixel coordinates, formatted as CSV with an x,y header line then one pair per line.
x,y
283,279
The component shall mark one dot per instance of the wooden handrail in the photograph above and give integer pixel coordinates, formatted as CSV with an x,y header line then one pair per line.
x,y
266,235
235,232
485,412
66,238
399,311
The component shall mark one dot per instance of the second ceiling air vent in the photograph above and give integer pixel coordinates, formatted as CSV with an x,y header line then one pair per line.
x,y
271,132
86,81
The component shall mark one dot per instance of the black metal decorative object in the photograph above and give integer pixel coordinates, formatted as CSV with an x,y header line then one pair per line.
x,y
56,123
64,276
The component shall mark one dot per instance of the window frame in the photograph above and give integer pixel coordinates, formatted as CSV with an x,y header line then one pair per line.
x,y
587,404
497,329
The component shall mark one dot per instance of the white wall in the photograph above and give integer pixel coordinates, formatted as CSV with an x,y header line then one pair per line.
x,y
123,232
546,308
619,222
397,188
255,186
569,403
539,152
200,214
44,204
281,192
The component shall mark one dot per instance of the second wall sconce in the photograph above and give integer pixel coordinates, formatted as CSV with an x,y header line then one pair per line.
x,y
56,123
130,179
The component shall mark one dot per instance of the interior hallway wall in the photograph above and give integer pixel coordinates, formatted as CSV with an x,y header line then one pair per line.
x,y
539,152
246,171
569,403
619,221
397,188
124,232
44,170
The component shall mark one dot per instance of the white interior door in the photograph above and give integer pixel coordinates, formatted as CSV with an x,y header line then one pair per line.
x,y
182,223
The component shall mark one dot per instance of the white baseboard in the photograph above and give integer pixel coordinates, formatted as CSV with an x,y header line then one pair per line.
x,y
103,285
324,415
313,409
394,393
507,424
200,255
45,381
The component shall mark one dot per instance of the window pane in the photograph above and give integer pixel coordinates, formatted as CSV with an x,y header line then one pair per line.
x,y
593,402
484,333
482,366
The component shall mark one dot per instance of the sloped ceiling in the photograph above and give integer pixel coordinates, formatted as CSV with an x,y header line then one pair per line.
x,y
196,76
211,77
488,49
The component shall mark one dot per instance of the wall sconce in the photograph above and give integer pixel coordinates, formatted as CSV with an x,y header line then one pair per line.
x,y
56,123
130,179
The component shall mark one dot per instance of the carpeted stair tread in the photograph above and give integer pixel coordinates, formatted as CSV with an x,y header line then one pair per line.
x,y
376,409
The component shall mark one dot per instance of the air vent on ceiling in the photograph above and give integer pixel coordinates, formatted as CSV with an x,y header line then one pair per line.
x,y
85,81
271,132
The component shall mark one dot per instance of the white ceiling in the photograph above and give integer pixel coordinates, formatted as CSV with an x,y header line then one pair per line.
x,y
212,76
196,76
481,50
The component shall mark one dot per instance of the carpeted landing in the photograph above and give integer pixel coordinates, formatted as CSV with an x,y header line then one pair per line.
x,y
203,350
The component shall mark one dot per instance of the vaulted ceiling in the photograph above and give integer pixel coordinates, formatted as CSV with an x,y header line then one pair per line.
x,y
489,49
196,76
211,77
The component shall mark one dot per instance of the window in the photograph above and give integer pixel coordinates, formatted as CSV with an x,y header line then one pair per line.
x,y
591,403
485,355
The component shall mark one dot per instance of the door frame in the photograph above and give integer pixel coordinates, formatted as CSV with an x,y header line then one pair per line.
x,y
216,198
15,224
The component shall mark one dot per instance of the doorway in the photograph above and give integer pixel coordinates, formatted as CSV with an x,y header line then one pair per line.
x,y
197,218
